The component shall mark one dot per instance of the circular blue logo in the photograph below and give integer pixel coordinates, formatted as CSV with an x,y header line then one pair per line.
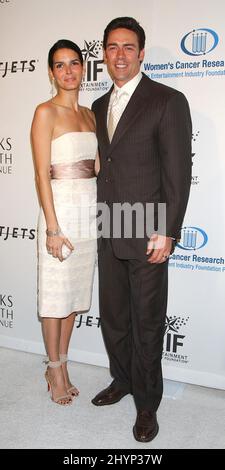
x,y
193,238
200,41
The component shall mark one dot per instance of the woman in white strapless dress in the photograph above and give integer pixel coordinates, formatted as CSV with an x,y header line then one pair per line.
x,y
65,148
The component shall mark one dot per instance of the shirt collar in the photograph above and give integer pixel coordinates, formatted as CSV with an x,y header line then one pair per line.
x,y
130,86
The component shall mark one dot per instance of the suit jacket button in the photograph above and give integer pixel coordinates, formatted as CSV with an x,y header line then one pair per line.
x,y
109,159
107,180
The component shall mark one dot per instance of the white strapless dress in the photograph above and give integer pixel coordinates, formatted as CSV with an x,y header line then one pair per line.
x,y
66,287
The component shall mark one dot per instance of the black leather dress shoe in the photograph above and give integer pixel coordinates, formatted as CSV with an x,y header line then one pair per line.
x,y
146,426
109,396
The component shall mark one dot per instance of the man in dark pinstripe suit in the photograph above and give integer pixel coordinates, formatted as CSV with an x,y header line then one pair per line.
x,y
147,160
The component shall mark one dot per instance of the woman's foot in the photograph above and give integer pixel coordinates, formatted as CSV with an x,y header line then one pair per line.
x,y
70,388
56,384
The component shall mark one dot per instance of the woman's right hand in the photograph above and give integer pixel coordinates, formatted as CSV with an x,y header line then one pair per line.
x,y
54,245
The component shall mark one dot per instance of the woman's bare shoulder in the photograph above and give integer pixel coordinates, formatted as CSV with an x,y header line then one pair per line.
x,y
89,115
45,108
44,114
44,118
87,111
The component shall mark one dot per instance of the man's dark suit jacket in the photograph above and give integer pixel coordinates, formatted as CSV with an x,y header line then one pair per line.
x,y
149,157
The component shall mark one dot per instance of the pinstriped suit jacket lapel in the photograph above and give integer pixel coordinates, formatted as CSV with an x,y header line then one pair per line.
x,y
102,120
134,108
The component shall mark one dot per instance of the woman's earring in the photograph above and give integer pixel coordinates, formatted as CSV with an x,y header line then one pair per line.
x,y
52,87
84,71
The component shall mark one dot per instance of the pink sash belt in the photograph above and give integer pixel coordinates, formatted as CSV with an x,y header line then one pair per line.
x,y
82,169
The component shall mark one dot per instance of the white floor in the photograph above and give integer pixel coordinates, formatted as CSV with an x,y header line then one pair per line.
x,y
190,417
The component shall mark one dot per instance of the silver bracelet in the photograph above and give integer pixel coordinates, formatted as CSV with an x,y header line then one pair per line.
x,y
54,233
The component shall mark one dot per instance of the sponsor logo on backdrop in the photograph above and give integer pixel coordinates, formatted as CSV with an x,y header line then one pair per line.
x,y
16,232
194,239
174,340
16,66
87,320
6,156
6,311
194,178
4,1
94,79
195,44
199,41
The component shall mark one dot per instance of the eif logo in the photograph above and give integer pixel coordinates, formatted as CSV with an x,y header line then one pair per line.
x,y
192,238
200,41
91,53
194,178
174,340
194,138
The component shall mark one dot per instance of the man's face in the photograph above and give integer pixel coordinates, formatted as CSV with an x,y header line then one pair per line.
x,y
122,55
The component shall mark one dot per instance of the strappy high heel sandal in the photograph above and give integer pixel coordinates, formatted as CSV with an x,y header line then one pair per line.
x,y
72,391
58,400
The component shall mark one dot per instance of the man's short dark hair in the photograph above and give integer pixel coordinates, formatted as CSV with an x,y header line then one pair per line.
x,y
127,23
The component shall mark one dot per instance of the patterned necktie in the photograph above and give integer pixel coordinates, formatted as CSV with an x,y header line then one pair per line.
x,y
115,112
